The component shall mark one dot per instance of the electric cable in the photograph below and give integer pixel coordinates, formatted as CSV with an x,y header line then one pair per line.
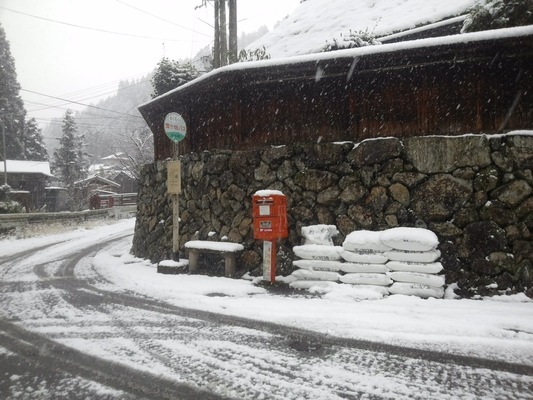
x,y
76,102
163,19
91,29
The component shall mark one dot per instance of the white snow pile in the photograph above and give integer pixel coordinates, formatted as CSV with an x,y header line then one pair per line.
x,y
316,22
394,261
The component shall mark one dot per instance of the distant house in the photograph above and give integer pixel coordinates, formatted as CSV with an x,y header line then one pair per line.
x,y
27,180
113,168
127,182
113,160
94,187
203,61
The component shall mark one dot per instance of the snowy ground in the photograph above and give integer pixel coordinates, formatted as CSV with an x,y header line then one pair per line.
x,y
498,328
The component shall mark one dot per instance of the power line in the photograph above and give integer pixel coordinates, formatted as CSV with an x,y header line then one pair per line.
x,y
163,19
92,29
50,103
75,102
107,84
86,98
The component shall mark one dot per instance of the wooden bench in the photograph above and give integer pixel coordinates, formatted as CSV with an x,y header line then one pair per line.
x,y
226,249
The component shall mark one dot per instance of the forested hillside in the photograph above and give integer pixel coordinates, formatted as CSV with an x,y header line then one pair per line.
x,y
113,125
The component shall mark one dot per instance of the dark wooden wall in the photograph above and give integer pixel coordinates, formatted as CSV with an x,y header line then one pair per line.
x,y
449,90
34,183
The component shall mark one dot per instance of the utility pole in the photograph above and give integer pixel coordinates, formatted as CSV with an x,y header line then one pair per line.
x,y
223,34
216,45
233,57
221,54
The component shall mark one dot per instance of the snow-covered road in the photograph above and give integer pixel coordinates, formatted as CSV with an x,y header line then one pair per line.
x,y
80,317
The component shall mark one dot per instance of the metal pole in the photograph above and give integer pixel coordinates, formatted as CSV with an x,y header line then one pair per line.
x,y
176,214
274,262
5,152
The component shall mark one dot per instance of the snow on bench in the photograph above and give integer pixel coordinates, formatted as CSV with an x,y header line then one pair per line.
x,y
226,249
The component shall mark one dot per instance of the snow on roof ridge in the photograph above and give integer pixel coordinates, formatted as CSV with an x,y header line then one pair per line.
x,y
99,177
27,167
360,51
423,28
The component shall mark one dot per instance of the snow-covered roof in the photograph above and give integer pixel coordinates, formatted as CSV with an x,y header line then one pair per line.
x,y
96,167
26,167
475,37
97,178
316,22
116,156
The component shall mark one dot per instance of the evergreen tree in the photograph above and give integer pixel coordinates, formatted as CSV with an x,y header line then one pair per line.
x,y
496,14
12,110
34,147
170,74
69,163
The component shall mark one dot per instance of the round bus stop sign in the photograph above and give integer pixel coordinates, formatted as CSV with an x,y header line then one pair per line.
x,y
175,127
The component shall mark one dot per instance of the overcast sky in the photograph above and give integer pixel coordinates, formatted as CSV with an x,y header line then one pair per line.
x,y
57,56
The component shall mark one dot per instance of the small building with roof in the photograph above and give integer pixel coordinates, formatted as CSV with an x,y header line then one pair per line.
x,y
28,180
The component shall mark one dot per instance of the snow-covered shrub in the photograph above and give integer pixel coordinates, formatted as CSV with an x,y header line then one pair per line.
x,y
254,55
352,40
10,207
496,14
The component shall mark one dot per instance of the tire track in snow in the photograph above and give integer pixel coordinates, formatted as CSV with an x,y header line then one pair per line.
x,y
271,364
306,336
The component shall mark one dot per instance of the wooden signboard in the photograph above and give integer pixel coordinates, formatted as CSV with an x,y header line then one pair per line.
x,y
174,177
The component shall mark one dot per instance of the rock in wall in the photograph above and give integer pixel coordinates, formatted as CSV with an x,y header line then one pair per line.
x,y
475,192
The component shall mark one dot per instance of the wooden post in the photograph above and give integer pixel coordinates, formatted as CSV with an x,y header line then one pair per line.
x,y
229,265
193,260
232,53
269,260
223,34
216,45
274,262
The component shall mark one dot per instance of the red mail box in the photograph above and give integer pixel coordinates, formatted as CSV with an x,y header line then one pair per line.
x,y
270,215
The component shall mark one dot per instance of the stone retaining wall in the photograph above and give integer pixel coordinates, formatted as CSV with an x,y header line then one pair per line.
x,y
475,192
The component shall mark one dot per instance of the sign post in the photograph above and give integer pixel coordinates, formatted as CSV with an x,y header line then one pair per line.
x,y
176,130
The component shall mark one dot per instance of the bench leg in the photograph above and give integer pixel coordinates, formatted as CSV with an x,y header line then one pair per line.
x,y
193,260
229,265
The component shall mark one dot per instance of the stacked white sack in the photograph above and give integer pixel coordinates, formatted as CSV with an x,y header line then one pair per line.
x,y
320,259
413,262
363,252
319,234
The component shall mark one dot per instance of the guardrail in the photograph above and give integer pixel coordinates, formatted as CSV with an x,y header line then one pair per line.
x,y
15,220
